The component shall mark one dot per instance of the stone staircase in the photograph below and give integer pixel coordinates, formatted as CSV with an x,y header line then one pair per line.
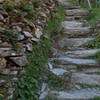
x,y
72,60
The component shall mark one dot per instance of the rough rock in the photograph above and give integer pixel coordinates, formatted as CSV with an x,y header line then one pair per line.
x,y
20,61
81,62
29,47
27,34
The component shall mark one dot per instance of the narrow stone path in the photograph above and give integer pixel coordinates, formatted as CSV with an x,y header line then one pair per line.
x,y
71,59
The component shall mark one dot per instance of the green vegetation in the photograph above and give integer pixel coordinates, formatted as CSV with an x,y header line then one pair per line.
x,y
96,98
29,85
54,25
25,9
56,82
10,35
96,56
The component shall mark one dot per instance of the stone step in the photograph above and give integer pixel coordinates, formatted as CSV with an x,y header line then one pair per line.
x,y
68,24
77,12
83,94
58,71
77,31
68,5
79,62
88,79
81,53
92,71
73,42
70,18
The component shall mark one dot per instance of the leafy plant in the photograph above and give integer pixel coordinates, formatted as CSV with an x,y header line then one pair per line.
x,y
56,83
28,86
54,25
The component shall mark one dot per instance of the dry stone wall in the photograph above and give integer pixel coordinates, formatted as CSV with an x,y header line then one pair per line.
x,y
17,36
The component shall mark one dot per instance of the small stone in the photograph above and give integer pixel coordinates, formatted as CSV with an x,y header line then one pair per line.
x,y
2,81
35,39
1,18
14,73
29,47
50,66
44,86
5,71
59,71
2,63
77,86
14,79
21,61
44,94
21,37
27,34
17,28
38,33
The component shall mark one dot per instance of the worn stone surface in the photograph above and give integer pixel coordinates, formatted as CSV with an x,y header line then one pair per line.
x,y
71,55
68,24
2,63
73,42
44,91
89,79
70,18
21,61
58,71
81,53
68,5
83,94
81,62
77,12
77,31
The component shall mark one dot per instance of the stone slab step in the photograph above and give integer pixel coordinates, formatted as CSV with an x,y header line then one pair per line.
x,y
77,31
70,18
92,71
77,12
73,42
89,79
67,24
79,62
81,53
83,94
68,5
